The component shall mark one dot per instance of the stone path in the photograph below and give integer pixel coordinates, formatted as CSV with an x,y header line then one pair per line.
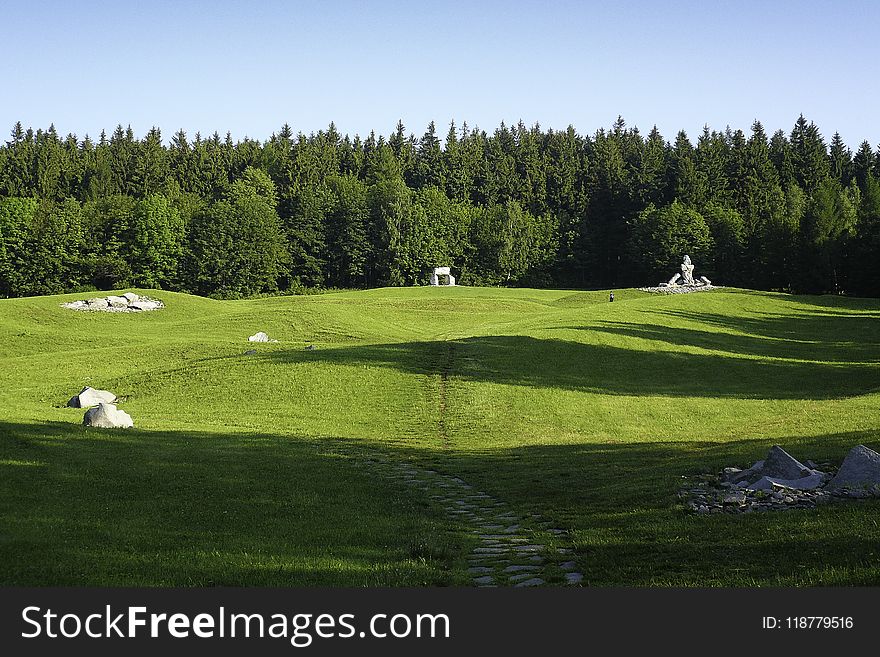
x,y
513,549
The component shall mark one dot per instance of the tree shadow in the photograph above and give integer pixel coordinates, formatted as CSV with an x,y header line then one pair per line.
x,y
604,369
629,527
89,507
81,507
766,345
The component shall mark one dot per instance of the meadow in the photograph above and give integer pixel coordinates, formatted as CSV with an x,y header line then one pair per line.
x,y
255,469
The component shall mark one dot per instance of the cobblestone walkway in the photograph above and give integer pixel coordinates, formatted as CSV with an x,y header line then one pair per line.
x,y
513,549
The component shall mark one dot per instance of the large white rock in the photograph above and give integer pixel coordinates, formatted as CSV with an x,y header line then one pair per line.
x,y
91,397
451,279
860,468
259,336
107,416
145,305
435,280
131,296
99,303
117,301
441,271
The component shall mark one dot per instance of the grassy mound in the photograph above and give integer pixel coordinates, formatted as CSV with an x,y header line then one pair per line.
x,y
249,469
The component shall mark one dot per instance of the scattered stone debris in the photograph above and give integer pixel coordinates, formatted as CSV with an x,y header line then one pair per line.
x,y
259,336
126,303
781,482
107,416
91,397
680,289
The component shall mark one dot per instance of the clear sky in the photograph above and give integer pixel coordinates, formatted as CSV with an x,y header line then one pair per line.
x,y
249,66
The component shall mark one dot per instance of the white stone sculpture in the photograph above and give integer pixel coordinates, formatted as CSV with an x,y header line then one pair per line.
x,y
442,271
687,271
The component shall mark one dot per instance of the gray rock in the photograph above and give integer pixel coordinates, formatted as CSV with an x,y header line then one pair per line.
x,y
91,397
107,416
860,469
534,581
522,569
98,304
810,482
573,578
486,579
479,570
782,465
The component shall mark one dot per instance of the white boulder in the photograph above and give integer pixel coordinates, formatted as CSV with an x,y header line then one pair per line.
x,y
144,305
107,416
117,301
131,297
259,336
91,397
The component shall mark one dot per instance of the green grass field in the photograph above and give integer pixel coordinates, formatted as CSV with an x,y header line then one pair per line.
x,y
254,469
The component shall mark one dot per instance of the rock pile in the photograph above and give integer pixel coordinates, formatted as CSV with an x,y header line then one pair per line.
x,y
679,289
102,412
126,303
782,482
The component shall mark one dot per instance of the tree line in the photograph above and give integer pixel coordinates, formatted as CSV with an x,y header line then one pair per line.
x,y
521,206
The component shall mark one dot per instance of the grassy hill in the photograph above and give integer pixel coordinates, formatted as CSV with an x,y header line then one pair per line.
x,y
255,469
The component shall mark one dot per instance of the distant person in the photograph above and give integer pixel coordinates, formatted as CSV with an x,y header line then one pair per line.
x,y
611,297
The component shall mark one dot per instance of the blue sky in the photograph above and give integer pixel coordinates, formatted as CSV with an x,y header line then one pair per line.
x,y
248,67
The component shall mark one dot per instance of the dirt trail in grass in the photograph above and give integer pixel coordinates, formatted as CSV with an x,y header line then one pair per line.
x,y
513,549
445,370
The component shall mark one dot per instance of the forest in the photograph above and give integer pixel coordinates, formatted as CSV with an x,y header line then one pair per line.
x,y
521,206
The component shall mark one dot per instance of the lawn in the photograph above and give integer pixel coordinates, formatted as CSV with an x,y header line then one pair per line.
x,y
257,469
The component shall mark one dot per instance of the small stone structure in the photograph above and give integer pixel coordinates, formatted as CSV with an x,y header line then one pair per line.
x,y
683,282
782,482
442,271
126,303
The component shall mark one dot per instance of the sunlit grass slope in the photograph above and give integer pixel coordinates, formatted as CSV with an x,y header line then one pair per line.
x,y
248,469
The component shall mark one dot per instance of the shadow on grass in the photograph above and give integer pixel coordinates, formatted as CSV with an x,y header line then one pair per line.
x,y
87,507
81,507
606,369
621,503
